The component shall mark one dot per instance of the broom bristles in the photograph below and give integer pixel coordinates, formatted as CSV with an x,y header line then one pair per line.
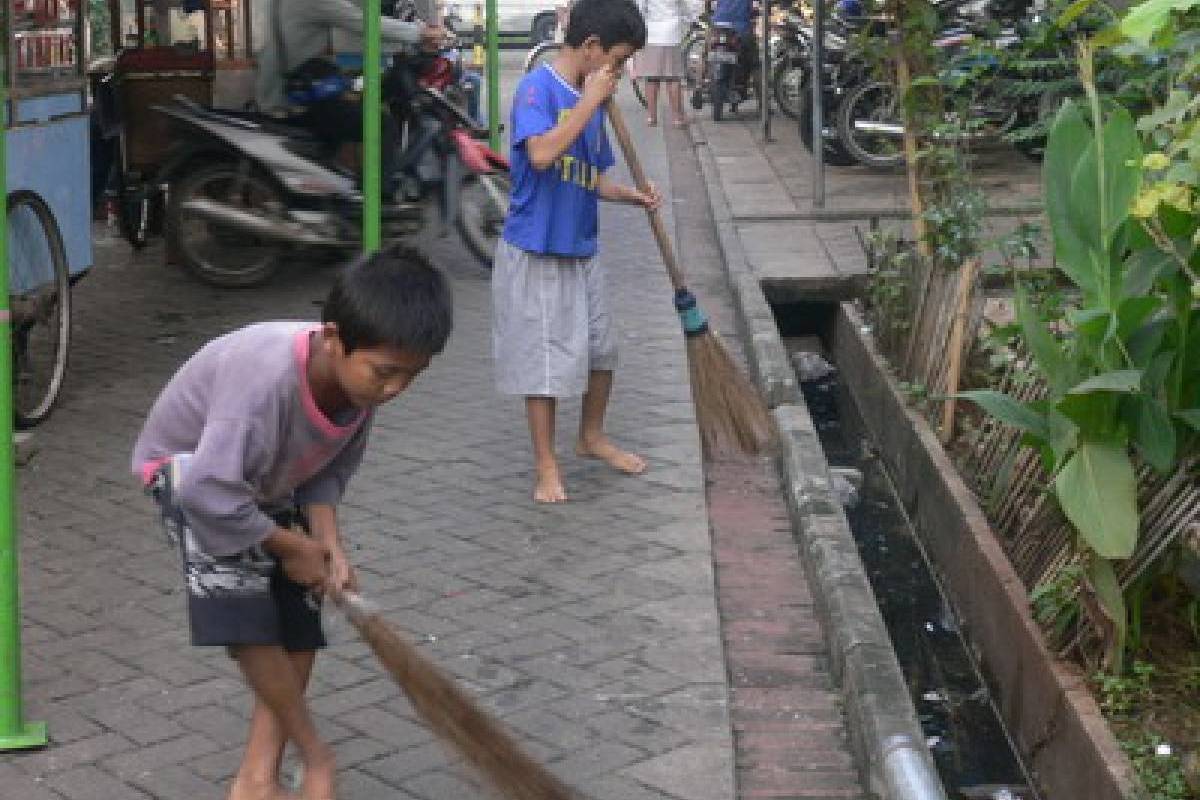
x,y
729,410
455,717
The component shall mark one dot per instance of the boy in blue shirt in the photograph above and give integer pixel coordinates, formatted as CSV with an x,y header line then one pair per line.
x,y
552,331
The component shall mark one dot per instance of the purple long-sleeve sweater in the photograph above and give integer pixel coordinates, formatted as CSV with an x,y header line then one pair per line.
x,y
242,408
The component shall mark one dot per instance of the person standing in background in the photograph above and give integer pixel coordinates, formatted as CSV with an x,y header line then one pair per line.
x,y
661,61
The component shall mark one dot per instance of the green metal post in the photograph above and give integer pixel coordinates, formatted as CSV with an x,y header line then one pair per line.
x,y
493,73
372,101
15,733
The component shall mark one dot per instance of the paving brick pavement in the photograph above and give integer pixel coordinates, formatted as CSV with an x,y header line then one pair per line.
x,y
590,628
768,187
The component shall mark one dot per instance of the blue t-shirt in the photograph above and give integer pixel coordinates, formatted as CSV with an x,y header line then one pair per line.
x,y
553,211
734,13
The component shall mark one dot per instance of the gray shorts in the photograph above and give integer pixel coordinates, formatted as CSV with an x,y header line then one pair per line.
x,y
551,323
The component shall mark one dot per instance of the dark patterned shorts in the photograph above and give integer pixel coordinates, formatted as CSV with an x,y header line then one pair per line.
x,y
244,598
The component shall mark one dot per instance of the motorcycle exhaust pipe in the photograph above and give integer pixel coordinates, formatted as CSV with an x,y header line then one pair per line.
x,y
890,128
255,224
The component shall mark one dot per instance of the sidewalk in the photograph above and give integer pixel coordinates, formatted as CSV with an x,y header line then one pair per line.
x,y
591,628
798,251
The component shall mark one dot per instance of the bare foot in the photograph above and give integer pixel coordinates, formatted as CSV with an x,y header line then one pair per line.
x,y
549,486
318,779
603,449
244,789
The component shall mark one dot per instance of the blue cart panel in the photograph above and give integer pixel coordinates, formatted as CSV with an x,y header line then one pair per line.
x,y
48,155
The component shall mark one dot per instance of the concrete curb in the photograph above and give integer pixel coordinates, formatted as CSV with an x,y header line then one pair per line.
x,y
863,661
768,359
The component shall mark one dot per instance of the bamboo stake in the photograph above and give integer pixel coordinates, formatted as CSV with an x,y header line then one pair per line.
x,y
966,283
903,84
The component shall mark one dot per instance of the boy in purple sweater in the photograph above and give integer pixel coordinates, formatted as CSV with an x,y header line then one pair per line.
x,y
256,437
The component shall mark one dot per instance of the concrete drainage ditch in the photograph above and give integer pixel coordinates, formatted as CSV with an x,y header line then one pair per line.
x,y
928,626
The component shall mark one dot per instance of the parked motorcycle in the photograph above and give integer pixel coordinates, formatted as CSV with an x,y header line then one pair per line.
x,y
791,60
841,68
246,189
732,64
870,120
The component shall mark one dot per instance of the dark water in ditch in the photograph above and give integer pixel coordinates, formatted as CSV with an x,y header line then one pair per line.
x,y
971,750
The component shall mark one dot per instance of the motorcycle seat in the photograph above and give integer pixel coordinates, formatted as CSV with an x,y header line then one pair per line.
x,y
290,126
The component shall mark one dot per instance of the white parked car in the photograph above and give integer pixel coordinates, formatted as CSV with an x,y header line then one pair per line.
x,y
534,18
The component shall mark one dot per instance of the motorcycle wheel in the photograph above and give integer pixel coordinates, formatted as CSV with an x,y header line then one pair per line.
x,y
787,82
215,253
720,91
871,102
835,152
483,205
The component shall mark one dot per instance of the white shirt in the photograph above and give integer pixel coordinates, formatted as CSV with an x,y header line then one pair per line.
x,y
666,20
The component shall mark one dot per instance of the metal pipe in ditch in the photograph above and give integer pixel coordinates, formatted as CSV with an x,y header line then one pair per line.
x,y
908,772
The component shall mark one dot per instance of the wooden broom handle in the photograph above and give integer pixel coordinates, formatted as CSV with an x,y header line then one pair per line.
x,y
639,180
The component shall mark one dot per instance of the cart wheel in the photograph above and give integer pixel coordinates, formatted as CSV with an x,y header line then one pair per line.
x,y
216,253
40,302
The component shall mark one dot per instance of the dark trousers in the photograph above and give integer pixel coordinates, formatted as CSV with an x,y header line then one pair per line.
x,y
338,120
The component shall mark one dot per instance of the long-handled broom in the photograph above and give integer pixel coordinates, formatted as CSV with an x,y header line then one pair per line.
x,y
451,713
729,410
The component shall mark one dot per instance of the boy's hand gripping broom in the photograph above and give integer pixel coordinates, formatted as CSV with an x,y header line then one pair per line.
x,y
729,410
451,713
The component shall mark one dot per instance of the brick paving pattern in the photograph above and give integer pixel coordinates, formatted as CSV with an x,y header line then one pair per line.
x,y
590,628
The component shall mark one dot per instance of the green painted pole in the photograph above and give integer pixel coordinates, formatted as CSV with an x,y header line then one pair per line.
x,y
15,733
372,163
493,73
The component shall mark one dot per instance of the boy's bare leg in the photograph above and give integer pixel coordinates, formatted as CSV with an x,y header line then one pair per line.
x,y
593,441
549,486
258,776
277,684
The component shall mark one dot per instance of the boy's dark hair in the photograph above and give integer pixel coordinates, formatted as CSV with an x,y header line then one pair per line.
x,y
393,297
613,22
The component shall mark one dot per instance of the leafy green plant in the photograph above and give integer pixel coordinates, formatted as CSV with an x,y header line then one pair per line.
x,y
1123,694
1122,378
1161,773
1054,600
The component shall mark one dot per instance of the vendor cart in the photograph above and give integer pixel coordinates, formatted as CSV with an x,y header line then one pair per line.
x,y
150,69
48,199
